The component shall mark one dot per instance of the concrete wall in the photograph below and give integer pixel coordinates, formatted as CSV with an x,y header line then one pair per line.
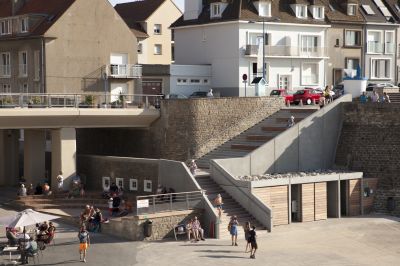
x,y
188,128
369,143
77,48
9,157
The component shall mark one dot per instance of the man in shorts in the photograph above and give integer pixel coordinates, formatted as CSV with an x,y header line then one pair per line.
x,y
253,242
84,242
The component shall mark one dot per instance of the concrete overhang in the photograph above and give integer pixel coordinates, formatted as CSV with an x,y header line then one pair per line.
x,y
77,118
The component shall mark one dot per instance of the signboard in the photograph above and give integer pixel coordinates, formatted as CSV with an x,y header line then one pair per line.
x,y
142,203
244,77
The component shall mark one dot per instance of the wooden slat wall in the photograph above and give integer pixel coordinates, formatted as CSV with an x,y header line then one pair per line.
x,y
354,197
277,199
307,202
320,201
368,202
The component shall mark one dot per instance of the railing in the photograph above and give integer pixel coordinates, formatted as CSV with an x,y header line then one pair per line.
x,y
287,50
169,202
23,70
374,47
38,100
5,70
389,48
124,71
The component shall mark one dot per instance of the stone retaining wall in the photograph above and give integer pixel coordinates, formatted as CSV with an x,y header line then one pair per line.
x,y
370,143
187,128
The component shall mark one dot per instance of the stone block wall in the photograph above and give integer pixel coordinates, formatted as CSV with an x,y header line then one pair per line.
x,y
187,128
370,143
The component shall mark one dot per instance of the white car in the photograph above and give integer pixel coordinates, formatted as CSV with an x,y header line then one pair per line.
x,y
369,91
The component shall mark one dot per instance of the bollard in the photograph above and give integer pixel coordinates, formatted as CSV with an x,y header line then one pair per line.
x,y
313,101
301,103
288,103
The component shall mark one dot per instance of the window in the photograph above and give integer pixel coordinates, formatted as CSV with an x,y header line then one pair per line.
x,y
374,42
5,65
119,182
264,9
195,81
106,183
301,11
206,81
133,184
24,25
352,38
215,10
5,27
337,44
23,64
380,68
257,71
352,63
309,45
23,88
318,12
148,187
157,28
181,81
309,74
157,49
6,88
368,9
351,9
389,42
140,48
36,63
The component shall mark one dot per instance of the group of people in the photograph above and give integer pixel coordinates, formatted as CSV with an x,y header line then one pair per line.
x,y
40,189
193,228
249,235
91,218
375,98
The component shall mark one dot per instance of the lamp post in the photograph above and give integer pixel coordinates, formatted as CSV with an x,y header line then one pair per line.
x,y
105,78
263,52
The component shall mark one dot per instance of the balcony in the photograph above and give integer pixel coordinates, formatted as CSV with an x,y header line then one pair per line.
x,y
287,50
124,71
5,71
389,48
375,47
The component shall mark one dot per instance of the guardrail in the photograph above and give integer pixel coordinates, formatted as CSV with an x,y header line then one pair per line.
x,y
67,100
169,202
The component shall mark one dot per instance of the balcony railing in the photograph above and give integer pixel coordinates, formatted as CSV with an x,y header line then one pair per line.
x,y
5,70
287,50
23,70
389,48
124,71
375,47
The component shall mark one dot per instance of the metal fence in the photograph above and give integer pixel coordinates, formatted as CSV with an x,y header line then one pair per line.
x,y
40,100
169,202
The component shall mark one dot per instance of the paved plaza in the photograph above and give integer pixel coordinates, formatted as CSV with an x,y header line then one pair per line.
x,y
370,240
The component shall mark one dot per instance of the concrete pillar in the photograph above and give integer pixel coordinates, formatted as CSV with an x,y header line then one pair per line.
x,y
63,156
34,156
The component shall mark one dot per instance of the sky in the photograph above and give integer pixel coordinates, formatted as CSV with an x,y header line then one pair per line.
x,y
179,3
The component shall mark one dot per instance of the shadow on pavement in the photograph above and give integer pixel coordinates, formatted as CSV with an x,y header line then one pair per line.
x,y
224,257
61,262
219,251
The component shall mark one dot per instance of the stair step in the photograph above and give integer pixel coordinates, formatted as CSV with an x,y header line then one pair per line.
x,y
274,128
305,110
282,119
258,137
244,147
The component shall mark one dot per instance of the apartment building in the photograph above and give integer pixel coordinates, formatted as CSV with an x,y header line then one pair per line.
x,y
65,46
149,20
229,36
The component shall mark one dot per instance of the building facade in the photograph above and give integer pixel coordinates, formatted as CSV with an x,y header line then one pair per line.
x,y
55,46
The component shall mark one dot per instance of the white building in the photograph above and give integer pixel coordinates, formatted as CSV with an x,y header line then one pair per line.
x,y
229,35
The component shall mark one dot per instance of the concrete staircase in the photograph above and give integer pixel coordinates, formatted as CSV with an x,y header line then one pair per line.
x,y
254,137
394,97
229,208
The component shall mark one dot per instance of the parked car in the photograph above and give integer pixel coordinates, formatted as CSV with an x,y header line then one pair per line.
x,y
199,94
338,89
284,93
175,96
307,96
372,86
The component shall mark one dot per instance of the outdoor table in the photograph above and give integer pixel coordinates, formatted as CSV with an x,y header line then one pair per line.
x,y
10,250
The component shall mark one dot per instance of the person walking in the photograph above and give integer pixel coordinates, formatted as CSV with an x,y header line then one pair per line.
x,y
233,229
247,229
253,242
84,242
218,204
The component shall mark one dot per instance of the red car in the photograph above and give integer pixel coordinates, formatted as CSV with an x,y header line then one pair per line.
x,y
307,96
284,93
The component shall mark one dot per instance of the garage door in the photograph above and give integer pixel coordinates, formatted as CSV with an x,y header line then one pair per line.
x,y
320,201
152,87
277,199
307,202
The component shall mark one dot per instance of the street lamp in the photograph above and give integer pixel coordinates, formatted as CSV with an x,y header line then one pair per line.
x,y
105,78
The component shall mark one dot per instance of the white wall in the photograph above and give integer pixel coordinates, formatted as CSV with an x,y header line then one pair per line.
x,y
201,72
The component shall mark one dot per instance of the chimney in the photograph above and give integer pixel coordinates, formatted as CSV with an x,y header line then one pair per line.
x,y
16,5
192,9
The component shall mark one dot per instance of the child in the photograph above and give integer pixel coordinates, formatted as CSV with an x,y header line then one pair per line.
x,y
253,242
110,206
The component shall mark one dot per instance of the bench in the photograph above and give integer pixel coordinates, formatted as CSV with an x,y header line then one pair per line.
x,y
179,229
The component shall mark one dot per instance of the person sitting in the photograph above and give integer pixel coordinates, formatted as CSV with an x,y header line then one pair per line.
x,y
11,236
116,205
39,189
29,248
30,190
46,189
22,191
50,233
189,229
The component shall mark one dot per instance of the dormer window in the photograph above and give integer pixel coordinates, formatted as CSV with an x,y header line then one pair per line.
x,y
215,10
351,9
301,11
5,27
318,12
24,25
263,8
